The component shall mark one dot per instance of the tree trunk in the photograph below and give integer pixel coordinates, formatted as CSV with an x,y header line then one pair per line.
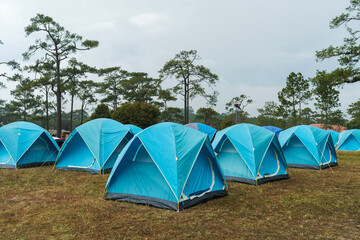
x,y
47,108
58,100
294,111
188,105
25,113
71,112
185,102
300,109
116,97
82,112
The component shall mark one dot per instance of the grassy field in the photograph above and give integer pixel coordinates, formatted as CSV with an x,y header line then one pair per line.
x,y
38,203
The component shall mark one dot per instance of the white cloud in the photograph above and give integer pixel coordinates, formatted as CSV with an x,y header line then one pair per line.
x,y
10,12
147,19
109,25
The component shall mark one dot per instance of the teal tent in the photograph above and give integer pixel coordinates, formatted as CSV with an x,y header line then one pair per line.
x,y
94,146
308,147
210,131
169,166
250,154
24,144
349,140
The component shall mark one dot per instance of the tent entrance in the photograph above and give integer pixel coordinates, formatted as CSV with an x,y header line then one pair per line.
x,y
296,153
42,151
272,164
203,178
77,155
329,156
233,164
137,175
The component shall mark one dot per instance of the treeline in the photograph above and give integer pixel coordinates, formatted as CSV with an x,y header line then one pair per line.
x,y
55,77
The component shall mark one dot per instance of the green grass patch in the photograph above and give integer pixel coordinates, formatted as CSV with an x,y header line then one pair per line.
x,y
39,203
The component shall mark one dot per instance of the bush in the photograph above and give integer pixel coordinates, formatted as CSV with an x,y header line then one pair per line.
x,y
101,111
140,114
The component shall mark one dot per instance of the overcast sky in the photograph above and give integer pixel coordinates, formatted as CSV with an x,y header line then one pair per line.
x,y
251,45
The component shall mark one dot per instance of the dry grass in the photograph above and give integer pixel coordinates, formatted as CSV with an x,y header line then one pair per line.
x,y
38,203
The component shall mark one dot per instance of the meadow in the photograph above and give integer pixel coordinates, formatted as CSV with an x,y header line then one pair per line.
x,y
39,203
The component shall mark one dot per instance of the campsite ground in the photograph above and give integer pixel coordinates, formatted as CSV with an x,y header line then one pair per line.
x,y
38,203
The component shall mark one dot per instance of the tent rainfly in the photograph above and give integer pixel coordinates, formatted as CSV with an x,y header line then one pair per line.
x,y
94,146
169,166
24,144
250,154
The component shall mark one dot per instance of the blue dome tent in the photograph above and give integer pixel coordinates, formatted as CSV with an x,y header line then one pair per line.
x,y
167,165
24,144
134,129
308,147
334,136
250,154
274,129
210,131
349,140
94,146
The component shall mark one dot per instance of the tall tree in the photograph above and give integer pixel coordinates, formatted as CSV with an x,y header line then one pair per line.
x,y
73,73
25,102
326,96
190,78
111,86
307,116
58,44
140,87
44,81
237,105
166,96
354,112
348,54
294,94
86,96
12,64
269,115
